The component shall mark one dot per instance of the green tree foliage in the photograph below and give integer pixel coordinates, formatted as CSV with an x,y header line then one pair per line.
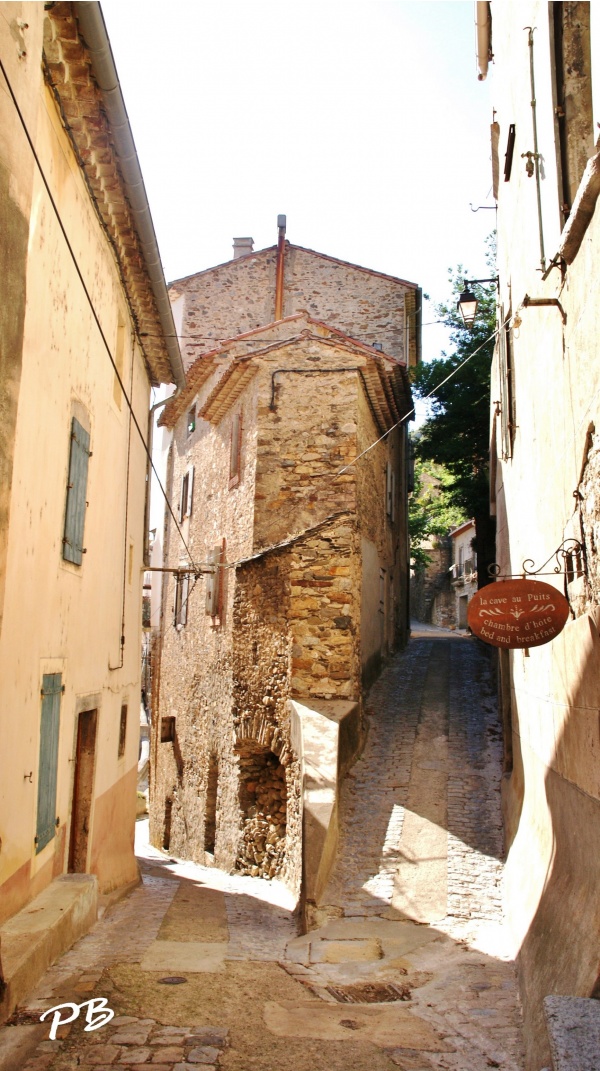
x,y
456,434
431,510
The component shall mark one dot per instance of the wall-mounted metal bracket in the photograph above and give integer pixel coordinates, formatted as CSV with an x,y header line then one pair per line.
x,y
535,302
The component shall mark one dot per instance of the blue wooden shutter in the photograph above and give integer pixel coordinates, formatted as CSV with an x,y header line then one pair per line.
x,y
46,807
76,492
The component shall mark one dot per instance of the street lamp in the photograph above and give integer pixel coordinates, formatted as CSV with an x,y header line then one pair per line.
x,y
467,302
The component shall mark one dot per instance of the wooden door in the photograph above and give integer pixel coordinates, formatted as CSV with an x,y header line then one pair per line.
x,y
83,786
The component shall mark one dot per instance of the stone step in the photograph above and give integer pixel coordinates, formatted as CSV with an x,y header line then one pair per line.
x,y
34,938
573,1025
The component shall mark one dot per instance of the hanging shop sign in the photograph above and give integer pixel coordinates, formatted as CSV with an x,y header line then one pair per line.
x,y
517,613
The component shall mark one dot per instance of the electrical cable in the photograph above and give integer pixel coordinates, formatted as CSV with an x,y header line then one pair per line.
x,y
246,341
91,304
292,539
195,566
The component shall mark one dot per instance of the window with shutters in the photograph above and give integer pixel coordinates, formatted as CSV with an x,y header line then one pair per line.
x,y
48,766
214,585
182,587
186,493
507,387
73,549
571,32
235,455
390,496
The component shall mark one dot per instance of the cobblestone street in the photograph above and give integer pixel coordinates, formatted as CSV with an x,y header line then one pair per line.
x,y
406,966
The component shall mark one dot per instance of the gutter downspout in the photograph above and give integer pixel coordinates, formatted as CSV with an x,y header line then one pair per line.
x,y
279,278
93,30
483,24
150,441
536,155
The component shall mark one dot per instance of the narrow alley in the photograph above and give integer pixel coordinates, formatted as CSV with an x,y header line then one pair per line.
x,y
406,966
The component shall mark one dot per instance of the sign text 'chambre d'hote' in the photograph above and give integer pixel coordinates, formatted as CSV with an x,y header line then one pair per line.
x,y
517,613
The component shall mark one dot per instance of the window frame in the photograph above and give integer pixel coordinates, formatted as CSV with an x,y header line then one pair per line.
x,y
76,503
235,449
186,493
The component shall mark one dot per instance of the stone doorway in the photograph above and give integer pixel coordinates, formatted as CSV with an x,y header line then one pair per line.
x,y
263,805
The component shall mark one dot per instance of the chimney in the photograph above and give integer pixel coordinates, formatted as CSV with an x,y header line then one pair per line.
x,y
241,246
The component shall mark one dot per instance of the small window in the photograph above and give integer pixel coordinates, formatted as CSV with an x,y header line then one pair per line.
x,y
186,493
191,420
236,450
390,493
73,549
167,729
214,583
182,584
122,731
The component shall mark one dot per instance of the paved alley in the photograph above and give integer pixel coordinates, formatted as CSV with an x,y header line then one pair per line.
x,y
406,966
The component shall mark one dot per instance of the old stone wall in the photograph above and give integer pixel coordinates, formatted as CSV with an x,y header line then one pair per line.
x,y
196,667
307,434
270,776
239,296
228,782
383,524
432,599
325,573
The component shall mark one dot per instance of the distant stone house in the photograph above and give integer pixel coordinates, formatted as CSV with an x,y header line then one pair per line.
x,y
287,580
85,330
463,571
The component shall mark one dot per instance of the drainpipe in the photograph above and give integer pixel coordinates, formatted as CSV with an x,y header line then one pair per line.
x,y
483,24
150,442
535,154
281,223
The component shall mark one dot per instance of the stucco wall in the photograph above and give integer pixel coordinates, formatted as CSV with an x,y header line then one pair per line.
x,y
552,795
65,618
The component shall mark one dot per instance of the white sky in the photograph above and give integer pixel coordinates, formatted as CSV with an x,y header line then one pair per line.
x,y
363,122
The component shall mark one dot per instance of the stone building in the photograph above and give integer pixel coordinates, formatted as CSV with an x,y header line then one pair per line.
x,y
463,571
287,580
546,464
85,329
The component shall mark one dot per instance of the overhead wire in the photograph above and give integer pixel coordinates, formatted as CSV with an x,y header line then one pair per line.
x,y
196,566
292,539
91,304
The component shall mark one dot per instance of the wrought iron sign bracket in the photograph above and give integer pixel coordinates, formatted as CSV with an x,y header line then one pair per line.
x,y
570,563
569,548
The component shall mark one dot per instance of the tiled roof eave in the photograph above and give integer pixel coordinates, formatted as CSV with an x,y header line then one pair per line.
x,y
120,203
